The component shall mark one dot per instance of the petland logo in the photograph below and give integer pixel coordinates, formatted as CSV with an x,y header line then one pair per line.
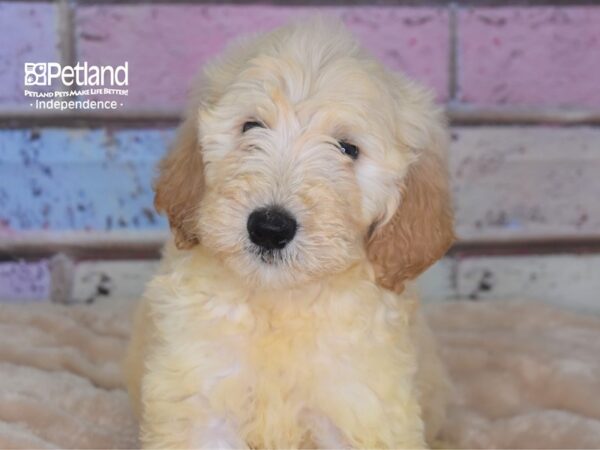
x,y
72,84
82,74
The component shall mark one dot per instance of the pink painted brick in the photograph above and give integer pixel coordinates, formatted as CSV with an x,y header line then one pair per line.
x,y
28,33
413,40
542,56
166,44
24,281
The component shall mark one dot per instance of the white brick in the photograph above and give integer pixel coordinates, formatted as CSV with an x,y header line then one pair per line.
x,y
526,182
436,283
569,281
95,280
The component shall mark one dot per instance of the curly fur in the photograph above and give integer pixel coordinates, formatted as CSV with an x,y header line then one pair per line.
x,y
321,344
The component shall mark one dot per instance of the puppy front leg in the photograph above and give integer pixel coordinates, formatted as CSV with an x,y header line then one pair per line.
x,y
189,432
324,433
216,434
174,418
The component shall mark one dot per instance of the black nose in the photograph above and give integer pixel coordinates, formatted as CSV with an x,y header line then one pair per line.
x,y
271,228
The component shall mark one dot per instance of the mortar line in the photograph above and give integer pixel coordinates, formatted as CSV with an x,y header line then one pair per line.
x,y
453,53
66,33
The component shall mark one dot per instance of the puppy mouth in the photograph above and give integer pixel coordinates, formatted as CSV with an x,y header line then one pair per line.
x,y
267,256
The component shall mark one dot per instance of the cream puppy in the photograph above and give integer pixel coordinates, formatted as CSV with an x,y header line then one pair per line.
x,y
306,187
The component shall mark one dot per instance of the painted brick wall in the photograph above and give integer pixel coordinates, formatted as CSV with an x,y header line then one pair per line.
x,y
529,56
28,33
20,281
532,56
78,179
167,44
508,182
511,183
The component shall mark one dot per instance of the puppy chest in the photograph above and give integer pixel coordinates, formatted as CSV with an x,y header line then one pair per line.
x,y
267,368
287,375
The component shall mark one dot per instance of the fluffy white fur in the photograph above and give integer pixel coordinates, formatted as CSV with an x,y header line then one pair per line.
x,y
320,344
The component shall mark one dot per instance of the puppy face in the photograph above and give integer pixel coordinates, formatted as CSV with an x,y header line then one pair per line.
x,y
298,165
295,163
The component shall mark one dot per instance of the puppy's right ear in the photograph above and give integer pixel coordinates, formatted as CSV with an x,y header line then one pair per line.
x,y
180,183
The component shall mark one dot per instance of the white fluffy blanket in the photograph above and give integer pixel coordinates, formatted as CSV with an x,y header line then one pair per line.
x,y
526,376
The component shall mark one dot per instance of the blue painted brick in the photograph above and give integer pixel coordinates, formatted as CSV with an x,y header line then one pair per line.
x,y
63,179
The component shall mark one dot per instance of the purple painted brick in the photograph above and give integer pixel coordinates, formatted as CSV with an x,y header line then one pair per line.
x,y
542,56
28,33
166,44
24,281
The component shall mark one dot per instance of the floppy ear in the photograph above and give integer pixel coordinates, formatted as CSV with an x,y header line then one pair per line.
x,y
180,182
178,188
421,229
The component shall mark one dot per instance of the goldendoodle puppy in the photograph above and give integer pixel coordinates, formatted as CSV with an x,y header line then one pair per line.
x,y
306,187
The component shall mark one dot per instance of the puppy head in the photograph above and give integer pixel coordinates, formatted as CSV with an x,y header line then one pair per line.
x,y
302,156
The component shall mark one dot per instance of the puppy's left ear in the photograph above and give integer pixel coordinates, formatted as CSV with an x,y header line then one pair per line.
x,y
180,183
421,229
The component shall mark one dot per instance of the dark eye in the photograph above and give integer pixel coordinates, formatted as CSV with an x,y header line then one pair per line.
x,y
349,149
253,124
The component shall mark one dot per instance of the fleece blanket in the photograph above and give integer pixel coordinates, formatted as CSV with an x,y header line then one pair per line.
x,y
525,375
